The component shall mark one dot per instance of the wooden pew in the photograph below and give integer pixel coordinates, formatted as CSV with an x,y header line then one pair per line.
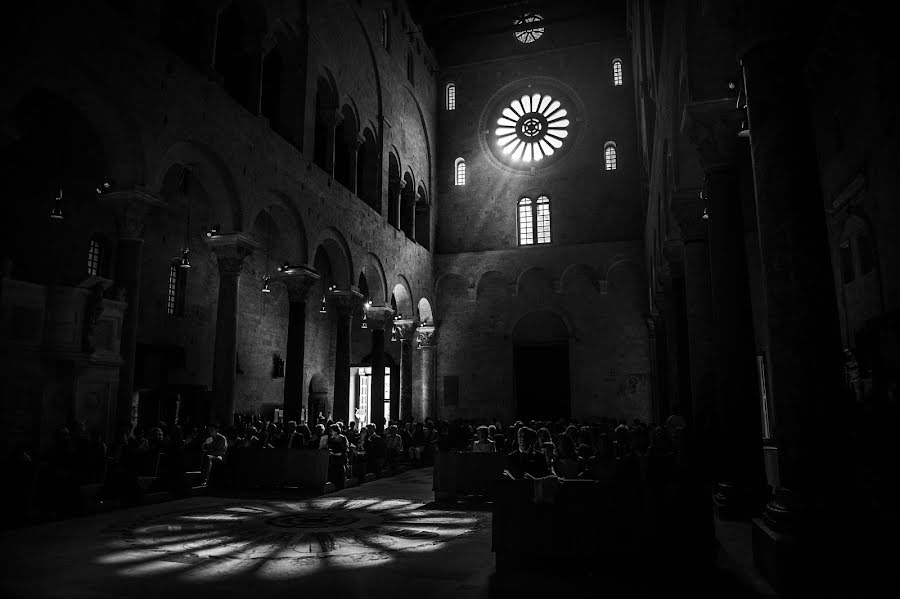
x,y
252,467
466,473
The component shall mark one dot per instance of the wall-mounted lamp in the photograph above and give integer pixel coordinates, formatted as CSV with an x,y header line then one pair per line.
x,y
185,261
56,213
213,230
265,288
103,187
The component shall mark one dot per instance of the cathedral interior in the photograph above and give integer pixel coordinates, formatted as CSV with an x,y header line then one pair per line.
x,y
647,214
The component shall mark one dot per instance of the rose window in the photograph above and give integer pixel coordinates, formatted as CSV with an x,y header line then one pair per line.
x,y
532,28
532,128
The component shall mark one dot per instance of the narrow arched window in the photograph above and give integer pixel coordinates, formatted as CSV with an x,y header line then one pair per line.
x,y
617,72
609,155
385,31
451,96
526,222
543,220
95,257
176,289
460,170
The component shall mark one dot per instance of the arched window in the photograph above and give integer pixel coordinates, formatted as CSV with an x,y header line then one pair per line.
x,y
609,155
543,220
95,257
175,294
534,221
460,170
451,96
526,222
385,31
617,72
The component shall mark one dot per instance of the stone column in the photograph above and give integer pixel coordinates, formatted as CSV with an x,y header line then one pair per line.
x,y
425,342
405,329
379,318
398,205
298,280
346,302
230,251
804,352
131,209
713,129
688,208
355,144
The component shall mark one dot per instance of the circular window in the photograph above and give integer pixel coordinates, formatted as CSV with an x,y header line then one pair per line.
x,y
531,27
531,128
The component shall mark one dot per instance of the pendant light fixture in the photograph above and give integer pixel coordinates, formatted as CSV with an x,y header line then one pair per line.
x,y
184,190
56,213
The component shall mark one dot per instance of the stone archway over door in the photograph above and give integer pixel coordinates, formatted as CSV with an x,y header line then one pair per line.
x,y
541,366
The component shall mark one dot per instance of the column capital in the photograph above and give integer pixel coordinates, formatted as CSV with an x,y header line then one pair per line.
x,y
131,208
347,301
713,128
298,280
379,317
688,208
425,336
405,329
231,250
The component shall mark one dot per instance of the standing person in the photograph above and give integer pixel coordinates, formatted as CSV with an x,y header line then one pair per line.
x,y
338,447
482,443
213,450
394,445
525,460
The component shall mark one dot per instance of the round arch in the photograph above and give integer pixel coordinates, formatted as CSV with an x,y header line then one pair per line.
x,y
403,297
374,273
335,247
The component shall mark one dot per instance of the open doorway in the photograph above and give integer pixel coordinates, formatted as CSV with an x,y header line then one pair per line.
x,y
541,365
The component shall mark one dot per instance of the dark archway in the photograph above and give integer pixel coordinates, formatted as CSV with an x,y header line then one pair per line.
x,y
541,364
423,218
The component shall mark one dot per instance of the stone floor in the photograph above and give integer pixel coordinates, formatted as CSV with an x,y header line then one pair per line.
x,y
385,538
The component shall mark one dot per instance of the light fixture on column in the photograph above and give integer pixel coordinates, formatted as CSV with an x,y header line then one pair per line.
x,y
184,190
103,187
705,215
265,288
185,260
393,334
284,267
323,309
56,213
213,230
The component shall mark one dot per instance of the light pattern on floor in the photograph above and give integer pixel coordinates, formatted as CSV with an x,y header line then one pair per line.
x,y
280,539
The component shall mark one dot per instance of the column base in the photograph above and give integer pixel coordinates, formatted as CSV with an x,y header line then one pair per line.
x,y
776,556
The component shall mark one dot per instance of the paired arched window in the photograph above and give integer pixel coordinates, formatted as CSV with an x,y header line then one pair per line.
x,y
617,72
385,31
95,257
460,171
534,221
609,156
451,96
176,289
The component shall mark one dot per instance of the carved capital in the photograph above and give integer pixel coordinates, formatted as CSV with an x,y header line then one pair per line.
x,y
131,208
379,317
405,329
231,251
713,127
345,301
425,336
298,280
688,208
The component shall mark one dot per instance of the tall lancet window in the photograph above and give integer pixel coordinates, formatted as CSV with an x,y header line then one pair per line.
x,y
609,155
617,72
451,96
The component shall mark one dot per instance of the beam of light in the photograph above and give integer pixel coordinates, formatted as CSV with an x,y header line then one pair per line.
x,y
526,156
537,151
504,141
512,147
517,154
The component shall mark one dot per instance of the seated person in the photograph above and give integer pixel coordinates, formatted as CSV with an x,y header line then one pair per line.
x,y
482,443
376,450
525,461
338,448
417,448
